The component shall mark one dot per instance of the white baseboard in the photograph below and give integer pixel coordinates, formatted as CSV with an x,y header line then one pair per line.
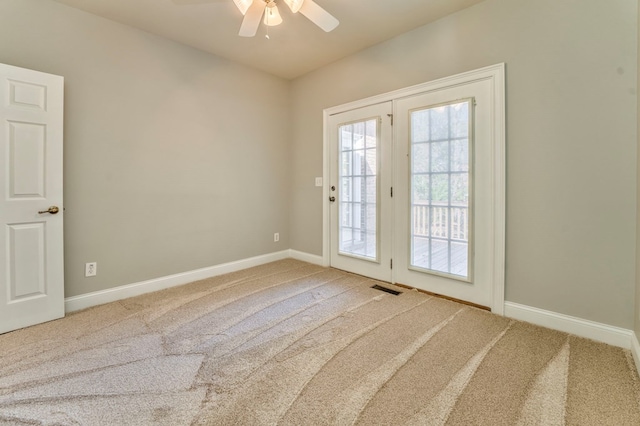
x,y
75,303
580,327
584,328
635,350
306,257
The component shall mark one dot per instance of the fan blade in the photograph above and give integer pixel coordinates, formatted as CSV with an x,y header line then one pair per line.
x,y
318,15
251,20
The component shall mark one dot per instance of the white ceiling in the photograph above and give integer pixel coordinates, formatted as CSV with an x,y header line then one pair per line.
x,y
296,47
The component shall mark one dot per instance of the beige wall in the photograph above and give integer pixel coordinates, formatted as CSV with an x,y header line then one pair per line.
x,y
571,139
174,159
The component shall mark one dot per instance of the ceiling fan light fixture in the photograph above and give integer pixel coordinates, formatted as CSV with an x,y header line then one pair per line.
x,y
294,5
268,9
243,5
272,15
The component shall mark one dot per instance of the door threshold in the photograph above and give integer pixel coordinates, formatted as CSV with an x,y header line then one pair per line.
x,y
453,299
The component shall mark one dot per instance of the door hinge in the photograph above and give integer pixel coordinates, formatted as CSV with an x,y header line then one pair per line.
x,y
391,264
391,117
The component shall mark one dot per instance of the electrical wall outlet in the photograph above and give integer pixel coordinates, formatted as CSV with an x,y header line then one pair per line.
x,y
91,269
318,181
276,237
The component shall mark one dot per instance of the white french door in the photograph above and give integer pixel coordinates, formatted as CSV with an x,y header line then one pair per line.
x,y
443,211
423,204
31,212
360,187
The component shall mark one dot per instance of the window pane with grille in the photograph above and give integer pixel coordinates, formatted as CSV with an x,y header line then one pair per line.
x,y
441,189
358,183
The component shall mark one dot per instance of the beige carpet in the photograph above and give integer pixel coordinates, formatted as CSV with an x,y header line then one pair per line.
x,y
291,343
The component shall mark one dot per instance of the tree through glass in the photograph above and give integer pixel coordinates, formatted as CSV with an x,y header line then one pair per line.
x,y
358,209
440,188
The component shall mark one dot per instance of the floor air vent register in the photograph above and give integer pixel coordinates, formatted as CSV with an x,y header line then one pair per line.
x,y
386,290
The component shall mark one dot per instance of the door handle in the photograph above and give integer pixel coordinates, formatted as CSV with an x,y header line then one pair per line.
x,y
332,199
52,210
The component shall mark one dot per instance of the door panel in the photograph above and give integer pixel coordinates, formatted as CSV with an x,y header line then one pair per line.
x,y
360,187
26,261
31,242
444,231
26,160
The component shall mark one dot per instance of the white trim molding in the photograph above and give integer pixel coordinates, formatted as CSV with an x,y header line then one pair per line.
x,y
83,301
306,257
604,333
615,336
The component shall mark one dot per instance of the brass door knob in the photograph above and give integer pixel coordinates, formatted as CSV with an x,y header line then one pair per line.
x,y
51,210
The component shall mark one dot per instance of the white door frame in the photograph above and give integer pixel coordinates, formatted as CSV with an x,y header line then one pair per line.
x,y
495,74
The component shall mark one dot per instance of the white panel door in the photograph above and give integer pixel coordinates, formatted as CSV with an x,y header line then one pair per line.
x,y
445,232
31,213
360,185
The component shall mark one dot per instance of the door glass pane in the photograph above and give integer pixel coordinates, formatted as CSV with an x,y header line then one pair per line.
x,y
358,183
440,189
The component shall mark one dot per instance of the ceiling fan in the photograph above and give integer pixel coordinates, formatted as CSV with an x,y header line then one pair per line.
x,y
254,9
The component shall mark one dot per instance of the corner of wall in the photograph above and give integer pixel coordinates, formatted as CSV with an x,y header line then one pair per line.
x,y
636,312
635,350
